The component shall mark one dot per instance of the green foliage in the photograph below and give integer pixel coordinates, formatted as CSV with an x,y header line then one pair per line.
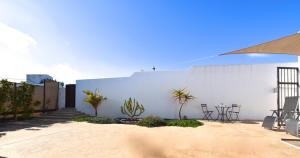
x,y
132,108
182,97
94,99
152,121
184,123
5,88
92,119
36,103
21,100
101,120
81,118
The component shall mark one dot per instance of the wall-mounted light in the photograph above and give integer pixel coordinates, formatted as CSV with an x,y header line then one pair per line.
x,y
275,90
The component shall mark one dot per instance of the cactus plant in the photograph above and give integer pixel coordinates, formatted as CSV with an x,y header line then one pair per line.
x,y
132,108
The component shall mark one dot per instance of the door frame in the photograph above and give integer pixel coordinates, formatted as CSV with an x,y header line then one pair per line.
x,y
70,96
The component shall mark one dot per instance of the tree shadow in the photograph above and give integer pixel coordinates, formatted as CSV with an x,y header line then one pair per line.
x,y
2,134
33,124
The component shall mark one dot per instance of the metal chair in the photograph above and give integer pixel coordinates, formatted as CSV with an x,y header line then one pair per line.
x,y
234,111
206,112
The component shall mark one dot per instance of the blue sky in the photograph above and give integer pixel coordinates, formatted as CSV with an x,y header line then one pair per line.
x,y
74,39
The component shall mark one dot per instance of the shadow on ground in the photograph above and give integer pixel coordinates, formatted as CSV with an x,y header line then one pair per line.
x,y
293,142
249,122
33,124
43,121
2,134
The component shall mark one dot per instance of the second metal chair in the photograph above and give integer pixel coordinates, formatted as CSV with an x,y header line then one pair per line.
x,y
234,111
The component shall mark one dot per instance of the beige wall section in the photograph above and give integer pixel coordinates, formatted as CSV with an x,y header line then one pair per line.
x,y
51,99
51,96
38,96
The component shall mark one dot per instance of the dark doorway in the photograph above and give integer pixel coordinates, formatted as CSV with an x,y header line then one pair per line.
x,y
70,95
287,85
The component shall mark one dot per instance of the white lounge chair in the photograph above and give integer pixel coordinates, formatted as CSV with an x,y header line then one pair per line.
x,y
287,112
292,127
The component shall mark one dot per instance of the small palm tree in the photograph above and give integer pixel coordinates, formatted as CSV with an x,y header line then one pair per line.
x,y
94,99
182,97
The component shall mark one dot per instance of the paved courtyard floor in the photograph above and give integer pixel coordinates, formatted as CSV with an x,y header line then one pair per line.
x,y
79,139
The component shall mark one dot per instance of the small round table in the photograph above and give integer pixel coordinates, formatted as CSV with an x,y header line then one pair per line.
x,y
222,112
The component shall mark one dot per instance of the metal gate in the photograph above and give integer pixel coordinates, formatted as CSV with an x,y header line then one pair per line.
x,y
287,85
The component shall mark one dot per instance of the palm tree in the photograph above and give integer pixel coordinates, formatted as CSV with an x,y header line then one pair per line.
x,y
182,97
94,99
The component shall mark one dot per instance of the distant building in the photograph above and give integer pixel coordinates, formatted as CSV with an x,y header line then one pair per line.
x,y
37,79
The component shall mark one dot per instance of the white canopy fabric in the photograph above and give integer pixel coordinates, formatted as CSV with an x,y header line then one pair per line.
x,y
285,45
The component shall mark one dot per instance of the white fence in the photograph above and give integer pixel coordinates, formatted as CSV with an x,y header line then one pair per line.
x,y
61,98
252,86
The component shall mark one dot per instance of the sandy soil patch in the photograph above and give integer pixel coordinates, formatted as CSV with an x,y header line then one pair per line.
x,y
213,140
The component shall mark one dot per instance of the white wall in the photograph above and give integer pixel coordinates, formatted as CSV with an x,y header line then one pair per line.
x,y
252,86
61,98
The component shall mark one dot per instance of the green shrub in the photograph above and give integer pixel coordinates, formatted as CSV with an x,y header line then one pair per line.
x,y
184,123
152,121
92,119
81,118
21,100
5,88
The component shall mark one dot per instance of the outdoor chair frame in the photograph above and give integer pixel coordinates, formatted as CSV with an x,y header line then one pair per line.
x,y
207,113
235,110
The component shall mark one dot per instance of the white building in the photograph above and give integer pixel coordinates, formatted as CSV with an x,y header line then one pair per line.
x,y
251,86
37,79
